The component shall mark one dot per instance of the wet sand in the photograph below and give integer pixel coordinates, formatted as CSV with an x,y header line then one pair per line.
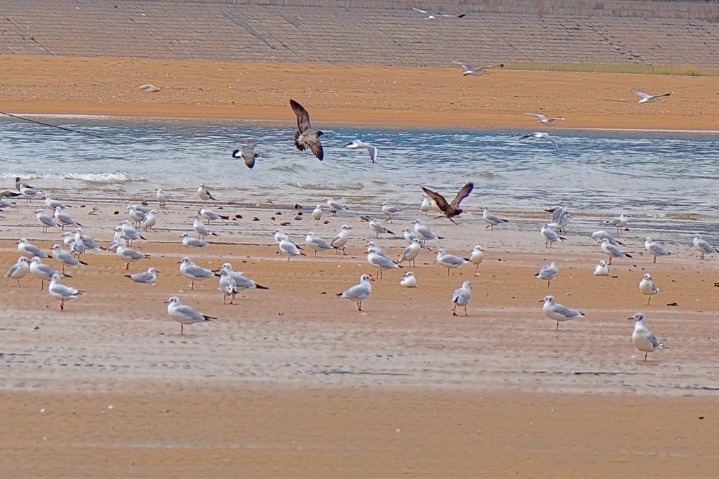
x,y
295,382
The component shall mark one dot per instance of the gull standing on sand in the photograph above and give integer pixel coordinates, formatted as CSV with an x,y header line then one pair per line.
x,y
598,236
192,242
449,261
52,204
548,272
201,229
560,218
426,205
550,236
144,277
542,135
315,243
30,250
424,232
602,269
335,206
131,234
461,297
45,220
468,69
227,287
247,154
408,280
204,193
377,249
612,251
150,220
647,287
161,198
378,228
619,223
241,282
340,240
65,258
558,312
287,246
544,119
28,192
647,98
42,271
411,252
476,256
643,339
703,246
390,210
188,269
64,219
61,291
184,314
317,214
305,137
19,270
136,214
209,215
359,291
356,144
380,262
128,254
492,220
654,249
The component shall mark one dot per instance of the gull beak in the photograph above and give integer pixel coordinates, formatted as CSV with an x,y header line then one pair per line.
x,y
630,319
541,300
165,302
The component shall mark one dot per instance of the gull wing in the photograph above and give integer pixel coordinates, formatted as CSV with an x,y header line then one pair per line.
x,y
420,11
303,118
644,96
462,194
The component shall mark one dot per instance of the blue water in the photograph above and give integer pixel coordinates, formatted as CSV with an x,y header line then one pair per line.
x,y
606,172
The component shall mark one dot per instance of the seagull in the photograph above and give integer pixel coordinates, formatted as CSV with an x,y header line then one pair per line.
x,y
227,286
28,192
184,314
544,119
359,291
654,248
703,246
476,256
340,240
42,271
449,261
380,261
550,236
390,210
209,215
411,252
450,209
30,250
619,222
305,137
317,214
356,144
470,70
377,249
643,339
602,269
19,270
647,98
647,287
128,254
544,136
612,251
52,204
424,232
560,218
192,242
241,282
315,243
161,198
201,229
432,16
287,246
150,220
247,154
64,219
130,232
136,213
548,272
188,269
334,206
61,291
491,219
65,258
426,205
461,297
146,277
378,228
598,236
558,312
45,220
204,193
408,280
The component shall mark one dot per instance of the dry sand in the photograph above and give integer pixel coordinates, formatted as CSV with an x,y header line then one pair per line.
x,y
294,382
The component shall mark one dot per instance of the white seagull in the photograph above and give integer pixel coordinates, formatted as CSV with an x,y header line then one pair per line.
x,y
558,312
65,258
654,249
476,256
19,270
64,219
411,252
598,236
544,119
45,220
424,232
461,297
380,262
61,291
356,144
201,229
647,287
209,215
432,16
204,193
378,228
548,272
408,280
192,242
247,154
317,214
647,98
449,261
492,220
550,236
390,210
190,270
471,70
145,277
619,222
602,269
227,286
359,291
426,205
30,250
335,206
184,314
161,198
315,243
128,254
340,240
41,270
643,339
703,246
612,251
543,136
287,246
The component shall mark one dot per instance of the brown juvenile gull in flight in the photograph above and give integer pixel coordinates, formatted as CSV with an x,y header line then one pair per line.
x,y
305,136
450,209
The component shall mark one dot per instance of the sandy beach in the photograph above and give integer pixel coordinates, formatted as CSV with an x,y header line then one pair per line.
x,y
295,382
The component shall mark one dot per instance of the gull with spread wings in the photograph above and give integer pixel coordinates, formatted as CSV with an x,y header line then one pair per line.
x,y
647,98
432,16
247,153
450,209
305,136
470,70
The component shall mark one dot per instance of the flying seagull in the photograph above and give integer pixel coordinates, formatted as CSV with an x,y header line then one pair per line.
x,y
450,209
543,136
356,144
305,136
470,70
647,98
247,153
544,119
432,16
